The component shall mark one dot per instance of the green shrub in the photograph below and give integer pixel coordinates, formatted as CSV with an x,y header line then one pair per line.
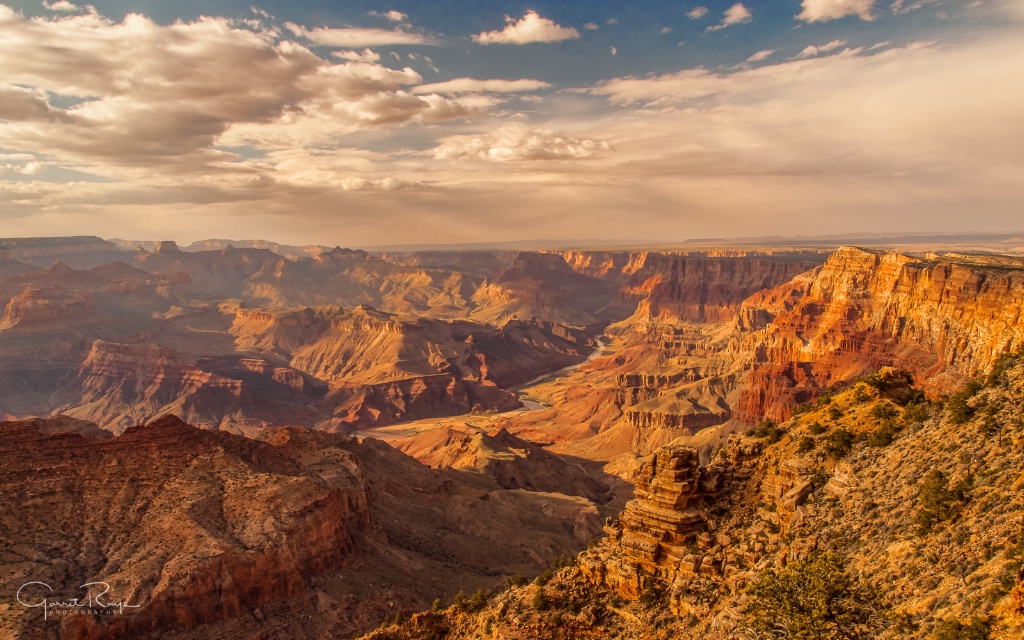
x,y
838,443
478,600
459,601
651,595
515,581
769,431
540,600
806,444
914,412
883,411
957,407
934,503
861,394
816,429
953,629
882,436
813,599
544,578
834,413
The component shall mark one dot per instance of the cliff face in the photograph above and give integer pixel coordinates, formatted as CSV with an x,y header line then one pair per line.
x,y
191,526
706,288
943,319
290,534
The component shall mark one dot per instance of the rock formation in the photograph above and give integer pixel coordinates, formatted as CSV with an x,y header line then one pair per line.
x,y
292,534
943,319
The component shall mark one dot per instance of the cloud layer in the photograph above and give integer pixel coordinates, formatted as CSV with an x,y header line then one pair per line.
x,y
305,133
516,142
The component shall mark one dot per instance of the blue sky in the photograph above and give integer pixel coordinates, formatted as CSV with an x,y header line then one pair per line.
x,y
367,123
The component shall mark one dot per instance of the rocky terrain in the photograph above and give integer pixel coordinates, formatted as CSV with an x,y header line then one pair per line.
x,y
291,534
873,514
719,425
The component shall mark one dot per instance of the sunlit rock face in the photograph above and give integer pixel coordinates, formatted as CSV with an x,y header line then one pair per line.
x,y
944,320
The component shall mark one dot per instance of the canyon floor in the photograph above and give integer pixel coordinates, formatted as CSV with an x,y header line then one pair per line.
x,y
262,441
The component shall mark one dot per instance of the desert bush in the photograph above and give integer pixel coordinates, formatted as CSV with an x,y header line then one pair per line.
x,y
935,502
953,629
540,599
915,412
806,444
883,411
882,436
957,408
838,443
769,431
544,578
813,599
816,429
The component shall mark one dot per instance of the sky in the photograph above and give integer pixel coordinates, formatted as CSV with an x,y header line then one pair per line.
x,y
363,123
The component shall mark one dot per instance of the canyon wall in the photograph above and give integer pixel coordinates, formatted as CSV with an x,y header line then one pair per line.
x,y
943,319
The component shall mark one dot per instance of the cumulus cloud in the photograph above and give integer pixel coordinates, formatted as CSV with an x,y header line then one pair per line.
x,y
736,14
517,142
761,55
530,28
824,10
357,37
614,51
812,50
612,21
697,13
473,85
145,95
665,30
591,26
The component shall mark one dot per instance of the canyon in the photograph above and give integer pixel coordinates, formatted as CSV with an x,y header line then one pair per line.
x,y
257,440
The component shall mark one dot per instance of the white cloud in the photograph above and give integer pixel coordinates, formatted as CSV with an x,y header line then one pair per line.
x,y
472,85
366,55
516,142
146,95
393,16
824,10
697,13
612,21
761,55
614,51
591,26
355,37
62,5
530,28
666,30
736,14
812,50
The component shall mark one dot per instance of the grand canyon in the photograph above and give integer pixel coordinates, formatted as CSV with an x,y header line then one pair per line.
x,y
493,320
307,442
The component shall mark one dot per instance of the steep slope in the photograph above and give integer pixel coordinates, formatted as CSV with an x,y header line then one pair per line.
x,y
295,534
872,515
